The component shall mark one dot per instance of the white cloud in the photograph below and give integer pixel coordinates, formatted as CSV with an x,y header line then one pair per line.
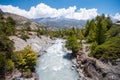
x,y
15,10
42,11
83,14
117,16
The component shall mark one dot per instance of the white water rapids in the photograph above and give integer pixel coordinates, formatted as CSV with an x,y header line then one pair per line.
x,y
55,65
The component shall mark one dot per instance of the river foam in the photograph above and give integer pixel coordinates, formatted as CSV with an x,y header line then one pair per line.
x,y
53,66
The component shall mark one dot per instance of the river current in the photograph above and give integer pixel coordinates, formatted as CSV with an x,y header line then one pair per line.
x,y
55,64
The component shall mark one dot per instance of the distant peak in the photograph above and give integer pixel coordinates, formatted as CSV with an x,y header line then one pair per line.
x,y
1,11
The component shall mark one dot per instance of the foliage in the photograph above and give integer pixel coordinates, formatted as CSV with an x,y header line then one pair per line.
x,y
93,46
7,26
101,30
2,65
9,65
24,36
6,46
109,50
96,29
6,52
87,28
92,33
7,56
61,33
26,59
28,28
72,43
113,31
104,38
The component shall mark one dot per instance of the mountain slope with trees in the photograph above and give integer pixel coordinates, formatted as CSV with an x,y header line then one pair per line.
x,y
104,38
8,60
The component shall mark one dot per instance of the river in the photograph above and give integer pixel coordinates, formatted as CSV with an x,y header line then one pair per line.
x,y
55,64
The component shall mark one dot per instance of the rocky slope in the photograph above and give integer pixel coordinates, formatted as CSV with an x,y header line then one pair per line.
x,y
38,44
21,21
93,69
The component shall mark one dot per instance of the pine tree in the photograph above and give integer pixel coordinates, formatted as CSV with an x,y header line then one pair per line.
x,y
92,31
87,27
101,29
72,44
109,22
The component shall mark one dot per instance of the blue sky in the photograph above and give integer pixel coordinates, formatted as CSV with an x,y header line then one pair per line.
x,y
110,7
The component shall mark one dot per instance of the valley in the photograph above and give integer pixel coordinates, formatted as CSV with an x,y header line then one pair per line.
x,y
59,49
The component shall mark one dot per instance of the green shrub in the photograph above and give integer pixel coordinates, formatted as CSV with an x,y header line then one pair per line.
x,y
93,46
72,44
24,36
9,65
114,31
109,50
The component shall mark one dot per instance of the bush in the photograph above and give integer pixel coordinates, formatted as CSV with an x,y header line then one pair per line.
x,y
110,50
9,65
26,59
24,36
114,31
72,44
93,46
7,26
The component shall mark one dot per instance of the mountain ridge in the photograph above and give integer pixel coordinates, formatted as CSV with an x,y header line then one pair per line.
x,y
61,22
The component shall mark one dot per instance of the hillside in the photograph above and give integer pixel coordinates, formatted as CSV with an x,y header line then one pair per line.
x,y
97,55
16,39
21,21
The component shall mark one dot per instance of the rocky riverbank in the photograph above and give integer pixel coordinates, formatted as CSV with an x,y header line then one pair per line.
x,y
93,69
38,44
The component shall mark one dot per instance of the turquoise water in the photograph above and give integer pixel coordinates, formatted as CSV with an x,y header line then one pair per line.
x,y
54,66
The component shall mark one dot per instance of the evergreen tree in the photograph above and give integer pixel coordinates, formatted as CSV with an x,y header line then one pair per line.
x,y
109,22
72,44
92,31
101,30
86,31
